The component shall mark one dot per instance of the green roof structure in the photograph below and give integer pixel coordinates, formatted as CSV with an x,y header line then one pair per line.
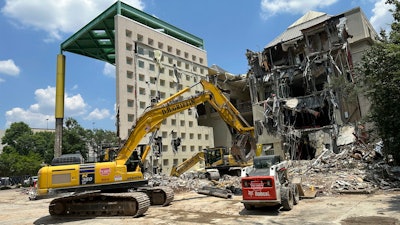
x,y
97,39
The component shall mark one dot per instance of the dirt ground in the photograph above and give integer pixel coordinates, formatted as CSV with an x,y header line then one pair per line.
x,y
193,208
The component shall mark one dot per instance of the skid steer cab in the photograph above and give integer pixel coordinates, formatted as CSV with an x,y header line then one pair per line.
x,y
267,184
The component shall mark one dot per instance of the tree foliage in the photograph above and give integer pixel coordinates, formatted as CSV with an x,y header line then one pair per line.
x,y
25,151
380,79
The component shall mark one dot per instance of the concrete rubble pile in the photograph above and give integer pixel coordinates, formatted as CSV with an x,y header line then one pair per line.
x,y
357,168
195,181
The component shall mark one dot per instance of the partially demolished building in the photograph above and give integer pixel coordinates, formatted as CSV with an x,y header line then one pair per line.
x,y
300,84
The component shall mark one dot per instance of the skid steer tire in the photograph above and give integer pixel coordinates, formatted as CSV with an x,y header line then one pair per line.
x,y
287,198
248,206
296,194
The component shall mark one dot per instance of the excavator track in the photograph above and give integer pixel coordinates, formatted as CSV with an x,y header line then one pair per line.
x,y
159,195
101,204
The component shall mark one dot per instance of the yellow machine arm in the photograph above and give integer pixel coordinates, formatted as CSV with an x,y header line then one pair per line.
x,y
151,120
183,167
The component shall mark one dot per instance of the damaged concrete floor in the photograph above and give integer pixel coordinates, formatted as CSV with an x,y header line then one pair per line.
x,y
192,208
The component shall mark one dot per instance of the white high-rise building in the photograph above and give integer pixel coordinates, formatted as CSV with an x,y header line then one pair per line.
x,y
141,80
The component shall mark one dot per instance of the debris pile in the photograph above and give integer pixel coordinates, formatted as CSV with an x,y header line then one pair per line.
x,y
356,168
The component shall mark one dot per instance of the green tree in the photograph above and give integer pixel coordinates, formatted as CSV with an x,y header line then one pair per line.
x,y
380,79
74,138
19,138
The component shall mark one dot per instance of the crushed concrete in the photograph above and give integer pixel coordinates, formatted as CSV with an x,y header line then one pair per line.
x,y
359,169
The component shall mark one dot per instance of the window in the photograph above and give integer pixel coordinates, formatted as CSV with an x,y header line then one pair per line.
x,y
171,84
150,41
165,162
183,148
191,135
141,64
194,68
183,135
192,148
190,123
152,67
187,77
142,91
162,95
153,93
140,38
164,134
165,148
160,45
186,55
190,112
129,74
169,48
187,66
175,162
141,77
206,136
193,58
142,105
179,63
140,50
128,47
173,122
200,148
170,60
129,88
202,71
128,33
170,73
184,159
153,80
162,82
130,103
131,117
178,52
151,54
129,60
182,123
199,136
201,60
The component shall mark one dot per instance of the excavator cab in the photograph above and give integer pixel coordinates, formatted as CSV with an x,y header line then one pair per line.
x,y
214,156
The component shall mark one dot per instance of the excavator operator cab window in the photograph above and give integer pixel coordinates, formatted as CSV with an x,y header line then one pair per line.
x,y
212,155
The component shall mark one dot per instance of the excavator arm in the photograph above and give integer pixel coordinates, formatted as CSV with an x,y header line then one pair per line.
x,y
152,118
183,167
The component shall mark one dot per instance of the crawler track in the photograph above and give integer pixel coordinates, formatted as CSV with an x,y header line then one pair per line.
x,y
159,195
101,204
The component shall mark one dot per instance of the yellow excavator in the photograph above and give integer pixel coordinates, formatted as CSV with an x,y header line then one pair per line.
x,y
118,187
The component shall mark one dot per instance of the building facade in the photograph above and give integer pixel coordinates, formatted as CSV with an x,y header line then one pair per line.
x,y
152,65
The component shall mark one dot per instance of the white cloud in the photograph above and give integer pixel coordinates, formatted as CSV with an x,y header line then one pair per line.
x,y
41,113
98,114
8,67
109,70
272,7
381,18
57,17
33,119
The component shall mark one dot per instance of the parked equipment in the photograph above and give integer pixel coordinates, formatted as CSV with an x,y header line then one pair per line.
x,y
267,184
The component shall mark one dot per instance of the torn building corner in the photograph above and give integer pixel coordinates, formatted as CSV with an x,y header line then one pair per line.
x,y
297,87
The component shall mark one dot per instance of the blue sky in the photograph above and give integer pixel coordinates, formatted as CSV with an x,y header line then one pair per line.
x,y
33,30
